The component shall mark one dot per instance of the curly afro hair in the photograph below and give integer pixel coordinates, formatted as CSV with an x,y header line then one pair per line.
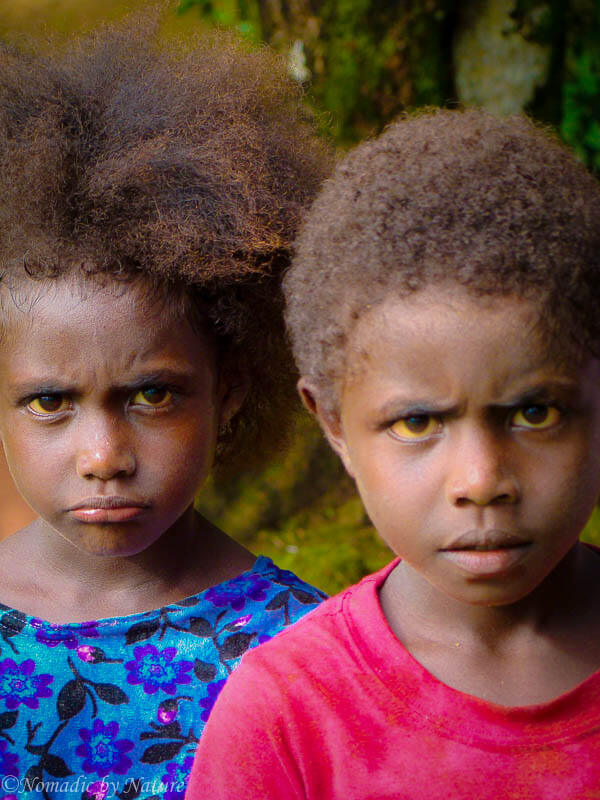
x,y
497,206
184,165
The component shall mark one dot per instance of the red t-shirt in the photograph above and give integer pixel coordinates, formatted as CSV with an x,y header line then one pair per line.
x,y
336,707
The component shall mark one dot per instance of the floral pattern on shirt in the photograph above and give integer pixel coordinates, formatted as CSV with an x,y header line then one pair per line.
x,y
157,669
18,684
114,708
102,751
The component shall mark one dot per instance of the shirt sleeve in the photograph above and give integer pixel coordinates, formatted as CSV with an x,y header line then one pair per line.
x,y
243,751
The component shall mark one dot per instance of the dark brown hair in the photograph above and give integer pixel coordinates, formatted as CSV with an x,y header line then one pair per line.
x,y
498,206
184,165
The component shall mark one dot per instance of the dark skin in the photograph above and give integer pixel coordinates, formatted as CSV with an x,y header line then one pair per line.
x,y
476,451
15,513
105,401
59,583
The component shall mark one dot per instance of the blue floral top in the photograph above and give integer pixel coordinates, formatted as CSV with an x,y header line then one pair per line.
x,y
114,708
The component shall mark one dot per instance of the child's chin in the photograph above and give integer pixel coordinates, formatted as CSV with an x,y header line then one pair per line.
x,y
493,594
112,543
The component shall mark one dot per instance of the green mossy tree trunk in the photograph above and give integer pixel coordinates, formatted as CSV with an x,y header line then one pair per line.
x,y
364,61
367,59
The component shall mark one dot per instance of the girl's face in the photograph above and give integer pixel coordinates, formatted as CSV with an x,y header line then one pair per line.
x,y
476,452
109,411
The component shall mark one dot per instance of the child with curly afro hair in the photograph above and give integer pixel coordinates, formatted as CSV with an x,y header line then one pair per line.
x,y
443,308
150,195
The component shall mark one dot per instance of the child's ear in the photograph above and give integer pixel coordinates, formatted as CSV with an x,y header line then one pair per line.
x,y
328,418
232,391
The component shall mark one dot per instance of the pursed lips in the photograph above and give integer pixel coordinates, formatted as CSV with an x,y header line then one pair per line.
x,y
103,509
107,502
486,554
482,540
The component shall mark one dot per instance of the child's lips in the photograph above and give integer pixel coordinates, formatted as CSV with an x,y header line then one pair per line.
x,y
102,509
489,553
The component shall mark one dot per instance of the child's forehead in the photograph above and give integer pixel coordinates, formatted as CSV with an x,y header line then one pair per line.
x,y
25,300
448,322
447,302
96,335
120,326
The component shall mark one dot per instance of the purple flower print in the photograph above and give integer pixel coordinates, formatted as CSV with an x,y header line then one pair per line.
x,y
167,711
8,761
97,790
213,689
19,685
91,655
155,669
53,635
234,593
102,751
175,781
239,622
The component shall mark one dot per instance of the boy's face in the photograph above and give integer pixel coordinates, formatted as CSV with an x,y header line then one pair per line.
x,y
109,411
476,452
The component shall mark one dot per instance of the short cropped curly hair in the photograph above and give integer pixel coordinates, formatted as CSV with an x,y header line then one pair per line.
x,y
187,165
498,206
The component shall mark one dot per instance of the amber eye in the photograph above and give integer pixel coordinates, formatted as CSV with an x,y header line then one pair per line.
x,y
416,426
155,396
45,404
536,417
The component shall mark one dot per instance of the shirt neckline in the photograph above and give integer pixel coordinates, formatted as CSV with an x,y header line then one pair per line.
x,y
455,714
9,614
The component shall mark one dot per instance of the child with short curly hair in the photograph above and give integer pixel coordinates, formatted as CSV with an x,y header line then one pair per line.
x,y
150,194
443,308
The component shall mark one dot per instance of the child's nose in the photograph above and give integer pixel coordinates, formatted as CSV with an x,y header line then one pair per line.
x,y
104,453
481,473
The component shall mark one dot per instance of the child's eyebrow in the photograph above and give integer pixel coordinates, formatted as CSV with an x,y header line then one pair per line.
x,y
403,406
542,392
158,376
51,384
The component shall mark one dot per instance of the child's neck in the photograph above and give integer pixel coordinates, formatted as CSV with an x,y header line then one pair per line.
x,y
525,653
60,583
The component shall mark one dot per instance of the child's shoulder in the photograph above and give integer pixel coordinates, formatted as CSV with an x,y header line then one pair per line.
x,y
330,633
277,594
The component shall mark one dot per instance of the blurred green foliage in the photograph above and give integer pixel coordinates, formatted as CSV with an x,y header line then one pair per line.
x,y
570,100
364,61
591,533
239,14
580,125
303,512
